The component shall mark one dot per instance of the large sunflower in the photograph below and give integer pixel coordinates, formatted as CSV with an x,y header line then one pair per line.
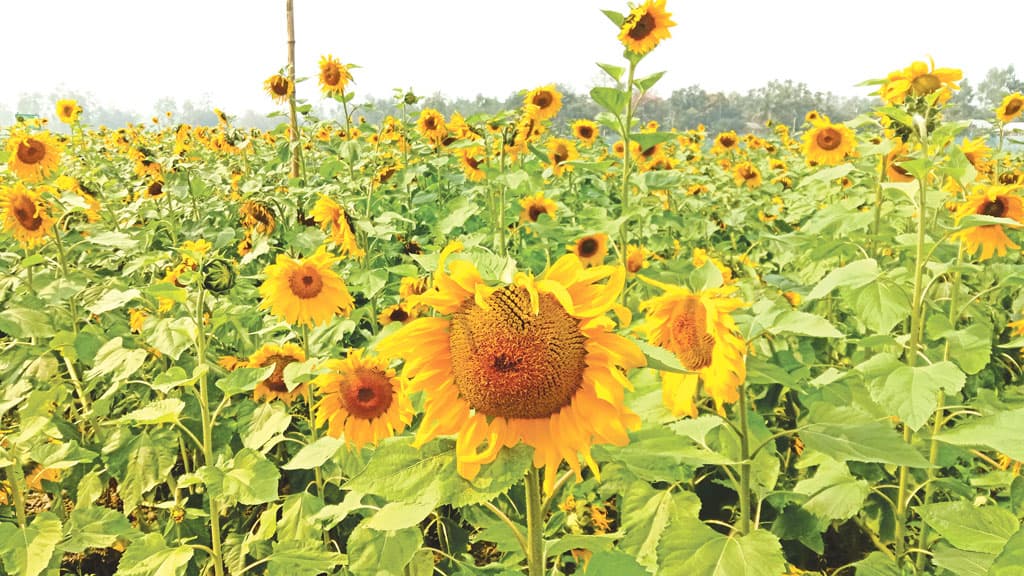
x,y
279,88
978,154
646,26
471,159
698,328
431,125
534,362
590,249
305,291
68,111
543,103
334,75
1011,108
534,206
920,80
33,156
827,143
329,214
25,215
999,201
586,130
363,399
561,151
274,386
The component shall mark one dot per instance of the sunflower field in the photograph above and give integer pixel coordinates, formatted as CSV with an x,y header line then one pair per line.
x,y
515,343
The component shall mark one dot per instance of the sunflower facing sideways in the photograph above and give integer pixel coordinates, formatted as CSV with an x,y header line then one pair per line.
x,y
274,386
645,27
534,206
279,88
33,157
698,328
25,215
1011,107
534,361
999,201
328,214
305,291
920,80
827,143
362,399
334,76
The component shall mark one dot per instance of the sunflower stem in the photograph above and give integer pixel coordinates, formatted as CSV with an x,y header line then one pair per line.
x,y
16,476
293,118
318,473
626,126
744,522
534,523
207,426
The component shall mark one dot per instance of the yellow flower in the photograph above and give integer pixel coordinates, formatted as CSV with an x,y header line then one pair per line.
x,y
561,151
257,216
33,157
978,154
305,291
68,111
471,159
279,88
274,386
586,130
25,215
700,258
999,201
543,103
918,80
362,399
534,206
636,258
136,319
747,174
698,328
725,142
646,26
591,249
431,125
827,143
397,313
334,75
532,362
1011,107
328,213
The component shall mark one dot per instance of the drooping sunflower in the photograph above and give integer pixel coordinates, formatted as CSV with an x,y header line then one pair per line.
x,y
893,170
273,386
329,214
68,111
279,88
990,200
561,151
33,157
431,125
978,154
699,329
334,75
257,216
591,249
646,26
305,291
543,103
471,159
827,143
534,361
534,206
920,80
586,130
747,174
1011,108
25,215
362,399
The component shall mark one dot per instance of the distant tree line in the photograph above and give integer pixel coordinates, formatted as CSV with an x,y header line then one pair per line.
x,y
781,101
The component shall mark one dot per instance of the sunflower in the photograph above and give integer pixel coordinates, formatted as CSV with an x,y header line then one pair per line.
x,y
748,174
1011,107
561,151
698,328
534,361
591,249
978,154
333,75
996,200
25,215
305,291
153,190
279,88
827,143
431,125
636,258
413,286
363,399
893,170
274,386
33,157
68,111
725,142
471,159
645,27
534,206
257,216
328,213
918,80
543,103
397,313
586,130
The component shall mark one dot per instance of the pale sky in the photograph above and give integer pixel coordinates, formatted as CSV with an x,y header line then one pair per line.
x,y
131,53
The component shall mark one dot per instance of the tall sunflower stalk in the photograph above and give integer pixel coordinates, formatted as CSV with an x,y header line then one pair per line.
x,y
293,118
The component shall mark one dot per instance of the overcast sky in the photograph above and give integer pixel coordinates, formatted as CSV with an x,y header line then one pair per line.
x,y
131,53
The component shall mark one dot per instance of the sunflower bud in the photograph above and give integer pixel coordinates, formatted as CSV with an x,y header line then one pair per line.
x,y
218,275
410,98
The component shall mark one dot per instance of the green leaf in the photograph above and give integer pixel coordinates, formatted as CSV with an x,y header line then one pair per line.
x,y
592,542
150,556
683,538
862,442
877,564
759,553
912,393
826,175
331,515
377,553
614,563
971,348
615,72
173,378
315,454
659,358
1001,431
172,336
962,562
266,427
244,380
648,82
26,323
116,361
302,558
457,213
880,305
143,463
611,99
113,299
646,515
28,552
853,275
833,493
168,291
615,17
158,412
95,527
297,513
249,479
1011,558
398,515
112,239
659,454
650,139
796,523
804,323
967,527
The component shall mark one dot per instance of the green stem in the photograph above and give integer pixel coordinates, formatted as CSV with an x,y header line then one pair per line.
x,y
62,257
627,125
17,478
877,227
318,473
534,523
744,526
207,425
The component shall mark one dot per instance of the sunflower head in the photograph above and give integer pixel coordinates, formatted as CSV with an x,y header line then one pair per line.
x,y
1011,107
274,386
258,216
725,142
645,27
25,215
746,174
920,81
279,88
33,156
431,125
305,291
561,151
329,215
534,206
334,75
827,143
543,103
68,111
591,249
990,200
472,160
586,131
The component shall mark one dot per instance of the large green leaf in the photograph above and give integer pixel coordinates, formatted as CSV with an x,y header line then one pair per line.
x,y
302,558
143,463
163,411
150,556
611,99
28,552
853,275
115,360
1001,431
971,528
971,348
833,493
962,562
758,553
249,478
377,553
877,564
297,514
912,393
880,305
113,299
25,323
315,454
1011,558
172,336
266,426
862,442
805,324
95,527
